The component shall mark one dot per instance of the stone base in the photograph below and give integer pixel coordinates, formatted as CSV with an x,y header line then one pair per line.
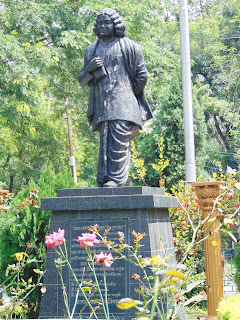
x,y
142,209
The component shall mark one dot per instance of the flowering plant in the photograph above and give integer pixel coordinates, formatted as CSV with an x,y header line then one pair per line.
x,y
156,276
15,290
20,270
189,229
187,221
55,239
86,241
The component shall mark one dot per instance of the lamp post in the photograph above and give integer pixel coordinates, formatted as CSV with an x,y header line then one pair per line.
x,y
190,167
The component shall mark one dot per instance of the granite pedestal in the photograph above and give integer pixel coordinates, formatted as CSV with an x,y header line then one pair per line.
x,y
142,209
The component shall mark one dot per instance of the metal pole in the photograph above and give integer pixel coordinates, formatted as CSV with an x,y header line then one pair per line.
x,y
190,167
72,158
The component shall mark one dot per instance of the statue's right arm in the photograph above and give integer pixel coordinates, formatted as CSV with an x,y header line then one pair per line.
x,y
85,76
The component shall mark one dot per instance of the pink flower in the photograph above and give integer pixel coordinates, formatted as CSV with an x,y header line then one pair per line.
x,y
231,170
121,234
107,259
88,240
55,239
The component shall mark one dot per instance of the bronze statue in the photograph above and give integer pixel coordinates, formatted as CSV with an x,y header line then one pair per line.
x,y
115,71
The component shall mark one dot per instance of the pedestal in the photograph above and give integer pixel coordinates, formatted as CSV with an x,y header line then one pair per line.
x,y
142,209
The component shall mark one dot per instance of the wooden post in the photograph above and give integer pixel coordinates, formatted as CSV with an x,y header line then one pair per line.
x,y
207,192
3,195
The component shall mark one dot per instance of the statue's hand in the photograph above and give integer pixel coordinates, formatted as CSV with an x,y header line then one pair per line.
x,y
94,64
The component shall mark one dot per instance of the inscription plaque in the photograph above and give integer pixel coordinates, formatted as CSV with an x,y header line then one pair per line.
x,y
117,275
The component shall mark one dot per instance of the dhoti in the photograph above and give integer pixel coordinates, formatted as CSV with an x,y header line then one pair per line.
x,y
115,151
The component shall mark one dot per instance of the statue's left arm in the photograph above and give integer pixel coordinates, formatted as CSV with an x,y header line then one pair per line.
x,y
141,76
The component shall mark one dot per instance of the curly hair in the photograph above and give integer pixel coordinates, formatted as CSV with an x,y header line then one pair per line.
x,y
119,25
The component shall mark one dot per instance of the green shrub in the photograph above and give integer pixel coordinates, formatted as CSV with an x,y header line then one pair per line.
x,y
237,265
228,309
27,233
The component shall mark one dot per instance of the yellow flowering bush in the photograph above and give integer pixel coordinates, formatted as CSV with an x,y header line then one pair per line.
x,y
228,308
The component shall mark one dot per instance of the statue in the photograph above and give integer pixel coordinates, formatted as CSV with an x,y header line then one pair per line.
x,y
115,71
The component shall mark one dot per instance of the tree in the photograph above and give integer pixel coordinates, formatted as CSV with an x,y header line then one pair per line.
x,y
168,123
214,46
42,44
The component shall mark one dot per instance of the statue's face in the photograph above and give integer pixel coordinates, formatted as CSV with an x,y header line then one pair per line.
x,y
105,26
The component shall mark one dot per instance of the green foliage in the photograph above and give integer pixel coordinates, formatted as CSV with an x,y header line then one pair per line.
x,y
228,309
138,170
237,265
215,56
162,164
42,44
188,231
168,124
17,290
31,225
188,209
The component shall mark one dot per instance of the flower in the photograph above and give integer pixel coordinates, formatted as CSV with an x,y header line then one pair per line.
x,y
135,276
127,303
88,240
183,223
178,298
95,228
228,222
138,236
160,272
231,170
55,239
177,266
23,205
33,193
107,259
121,234
161,182
31,202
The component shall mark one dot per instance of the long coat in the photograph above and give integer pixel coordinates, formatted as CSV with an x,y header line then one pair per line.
x,y
135,66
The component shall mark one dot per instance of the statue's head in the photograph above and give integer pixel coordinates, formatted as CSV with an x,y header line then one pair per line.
x,y
114,24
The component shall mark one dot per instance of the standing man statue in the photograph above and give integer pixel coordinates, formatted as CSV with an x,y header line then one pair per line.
x,y
114,70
